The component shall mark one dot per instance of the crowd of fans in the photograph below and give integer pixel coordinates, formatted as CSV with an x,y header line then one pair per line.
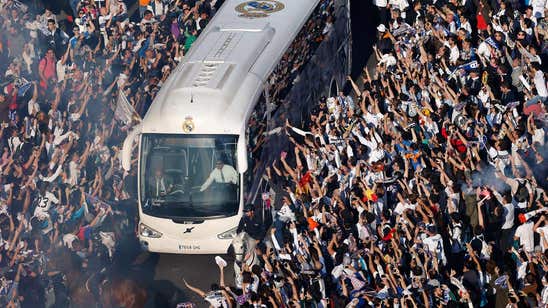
x,y
61,181
298,54
424,188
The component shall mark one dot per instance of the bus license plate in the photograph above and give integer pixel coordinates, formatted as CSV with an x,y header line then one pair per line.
x,y
189,247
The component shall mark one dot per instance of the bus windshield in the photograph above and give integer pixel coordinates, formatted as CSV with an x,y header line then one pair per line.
x,y
189,176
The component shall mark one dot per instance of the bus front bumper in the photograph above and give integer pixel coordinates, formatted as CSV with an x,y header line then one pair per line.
x,y
165,244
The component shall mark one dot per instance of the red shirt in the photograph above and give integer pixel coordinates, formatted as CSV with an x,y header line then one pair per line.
x,y
12,96
47,68
482,25
459,145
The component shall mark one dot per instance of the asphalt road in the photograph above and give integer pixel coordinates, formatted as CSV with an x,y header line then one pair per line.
x,y
168,271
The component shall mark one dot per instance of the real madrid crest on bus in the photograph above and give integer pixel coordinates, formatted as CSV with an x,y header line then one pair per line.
x,y
259,9
188,125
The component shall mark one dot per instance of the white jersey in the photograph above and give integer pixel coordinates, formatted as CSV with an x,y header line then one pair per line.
x,y
526,236
435,245
508,214
216,299
44,205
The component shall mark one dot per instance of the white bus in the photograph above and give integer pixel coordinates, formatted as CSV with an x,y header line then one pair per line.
x,y
199,117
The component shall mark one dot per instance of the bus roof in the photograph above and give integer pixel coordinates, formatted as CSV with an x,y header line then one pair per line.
x,y
219,80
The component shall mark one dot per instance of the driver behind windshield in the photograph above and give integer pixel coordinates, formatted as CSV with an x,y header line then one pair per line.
x,y
221,174
159,185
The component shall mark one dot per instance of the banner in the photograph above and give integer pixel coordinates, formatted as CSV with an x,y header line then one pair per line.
x,y
403,29
24,88
492,42
124,112
466,67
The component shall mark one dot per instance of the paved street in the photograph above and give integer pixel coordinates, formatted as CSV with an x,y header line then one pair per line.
x,y
169,270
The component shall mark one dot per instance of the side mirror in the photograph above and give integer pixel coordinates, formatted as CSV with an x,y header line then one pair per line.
x,y
127,148
242,153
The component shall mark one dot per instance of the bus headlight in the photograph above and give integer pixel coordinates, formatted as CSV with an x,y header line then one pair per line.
x,y
147,231
227,235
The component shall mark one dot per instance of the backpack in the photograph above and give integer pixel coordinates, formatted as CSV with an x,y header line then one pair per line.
x,y
522,194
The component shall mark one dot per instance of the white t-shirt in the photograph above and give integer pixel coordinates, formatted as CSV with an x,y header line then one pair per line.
x,y
540,84
216,299
402,207
74,173
545,230
363,233
159,8
508,216
544,295
526,236
499,156
402,5
483,50
44,205
68,239
435,245
538,136
117,7
381,3
103,20
33,107
454,55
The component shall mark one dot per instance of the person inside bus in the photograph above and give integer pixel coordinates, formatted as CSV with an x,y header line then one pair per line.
x,y
221,174
159,185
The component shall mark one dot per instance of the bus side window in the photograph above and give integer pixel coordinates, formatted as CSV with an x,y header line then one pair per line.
x,y
248,175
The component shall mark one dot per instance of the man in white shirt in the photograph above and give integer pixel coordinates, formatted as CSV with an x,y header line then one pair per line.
x,y
525,235
434,243
362,228
44,202
454,51
538,77
221,174
543,232
508,225
118,10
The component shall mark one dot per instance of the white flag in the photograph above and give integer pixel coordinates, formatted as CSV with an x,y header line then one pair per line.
x,y
124,111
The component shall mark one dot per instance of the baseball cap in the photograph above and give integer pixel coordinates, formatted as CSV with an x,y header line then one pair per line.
x,y
381,28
